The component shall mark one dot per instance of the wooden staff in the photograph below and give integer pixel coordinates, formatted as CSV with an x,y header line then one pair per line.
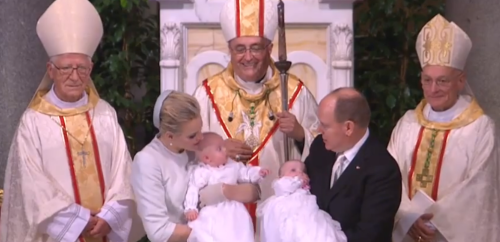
x,y
283,65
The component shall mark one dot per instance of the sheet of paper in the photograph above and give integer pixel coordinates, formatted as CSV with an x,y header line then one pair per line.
x,y
424,200
418,205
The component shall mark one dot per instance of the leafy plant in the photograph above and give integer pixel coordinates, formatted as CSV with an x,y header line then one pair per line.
x,y
126,70
387,69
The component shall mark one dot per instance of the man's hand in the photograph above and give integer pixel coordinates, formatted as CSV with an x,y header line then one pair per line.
x,y
238,150
263,172
289,125
101,228
305,181
420,232
191,215
90,225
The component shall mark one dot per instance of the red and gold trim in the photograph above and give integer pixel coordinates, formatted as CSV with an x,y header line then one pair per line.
x,y
428,154
249,18
87,172
426,164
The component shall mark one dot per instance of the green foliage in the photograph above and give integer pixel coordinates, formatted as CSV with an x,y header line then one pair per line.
x,y
127,64
387,69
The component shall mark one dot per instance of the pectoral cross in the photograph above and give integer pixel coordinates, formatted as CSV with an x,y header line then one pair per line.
x,y
83,154
424,178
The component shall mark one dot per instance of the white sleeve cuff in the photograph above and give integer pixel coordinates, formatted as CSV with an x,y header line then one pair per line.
x,y
117,215
68,224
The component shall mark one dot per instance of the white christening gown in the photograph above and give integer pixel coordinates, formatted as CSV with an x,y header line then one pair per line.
x,y
227,221
292,215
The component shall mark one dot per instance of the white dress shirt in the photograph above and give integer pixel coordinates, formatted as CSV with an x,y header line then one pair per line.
x,y
349,156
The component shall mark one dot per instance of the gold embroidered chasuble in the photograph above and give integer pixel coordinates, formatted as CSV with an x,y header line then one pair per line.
x,y
429,151
81,149
246,116
253,110
456,164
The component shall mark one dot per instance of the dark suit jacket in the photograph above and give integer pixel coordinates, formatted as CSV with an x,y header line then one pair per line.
x,y
366,197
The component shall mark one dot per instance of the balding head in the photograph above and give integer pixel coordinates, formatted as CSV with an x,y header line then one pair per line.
x,y
344,116
348,105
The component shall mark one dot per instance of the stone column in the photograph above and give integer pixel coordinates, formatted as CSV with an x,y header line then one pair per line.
x,y
480,19
22,65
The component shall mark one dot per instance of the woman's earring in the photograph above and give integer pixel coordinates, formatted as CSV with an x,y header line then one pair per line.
x,y
170,143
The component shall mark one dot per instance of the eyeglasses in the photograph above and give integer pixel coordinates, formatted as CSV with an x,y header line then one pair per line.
x,y
255,50
441,82
67,70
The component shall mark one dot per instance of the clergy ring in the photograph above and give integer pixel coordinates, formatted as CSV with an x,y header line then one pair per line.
x,y
238,157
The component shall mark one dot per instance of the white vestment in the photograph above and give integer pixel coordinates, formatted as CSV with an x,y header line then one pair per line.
x,y
160,181
466,186
229,220
271,156
292,215
40,203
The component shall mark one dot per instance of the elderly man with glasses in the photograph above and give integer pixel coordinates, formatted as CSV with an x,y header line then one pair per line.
x,y
243,102
446,149
67,176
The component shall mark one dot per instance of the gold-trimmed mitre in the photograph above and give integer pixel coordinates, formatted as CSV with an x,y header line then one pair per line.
x,y
70,26
240,18
443,43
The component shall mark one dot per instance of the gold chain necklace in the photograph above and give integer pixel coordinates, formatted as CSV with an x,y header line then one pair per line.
x,y
82,151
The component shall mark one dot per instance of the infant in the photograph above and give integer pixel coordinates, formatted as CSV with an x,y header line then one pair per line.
x,y
227,221
292,214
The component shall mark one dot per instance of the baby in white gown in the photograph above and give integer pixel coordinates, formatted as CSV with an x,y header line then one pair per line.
x,y
227,221
292,215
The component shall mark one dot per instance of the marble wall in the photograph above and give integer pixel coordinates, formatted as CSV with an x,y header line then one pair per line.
x,y
22,62
308,39
480,19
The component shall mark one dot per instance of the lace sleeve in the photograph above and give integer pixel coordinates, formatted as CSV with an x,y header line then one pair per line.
x,y
198,179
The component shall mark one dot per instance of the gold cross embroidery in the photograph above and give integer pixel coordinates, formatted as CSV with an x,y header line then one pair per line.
x,y
424,178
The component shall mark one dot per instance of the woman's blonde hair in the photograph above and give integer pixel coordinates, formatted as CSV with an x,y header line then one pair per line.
x,y
177,109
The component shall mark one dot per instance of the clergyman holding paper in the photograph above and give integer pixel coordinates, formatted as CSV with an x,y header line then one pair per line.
x,y
446,149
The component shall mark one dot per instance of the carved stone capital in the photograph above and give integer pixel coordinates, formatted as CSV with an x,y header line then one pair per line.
x,y
342,41
170,41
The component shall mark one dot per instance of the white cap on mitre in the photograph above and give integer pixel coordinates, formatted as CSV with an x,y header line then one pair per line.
x,y
443,43
70,26
240,18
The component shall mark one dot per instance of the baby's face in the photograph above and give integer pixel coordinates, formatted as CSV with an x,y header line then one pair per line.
x,y
293,169
215,154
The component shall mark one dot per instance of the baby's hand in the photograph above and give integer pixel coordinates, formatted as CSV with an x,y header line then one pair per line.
x,y
263,172
191,215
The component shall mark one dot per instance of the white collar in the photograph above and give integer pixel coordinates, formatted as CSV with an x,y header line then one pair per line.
x,y
449,114
254,87
351,153
54,99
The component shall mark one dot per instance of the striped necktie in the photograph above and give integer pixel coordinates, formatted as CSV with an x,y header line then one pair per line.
x,y
338,168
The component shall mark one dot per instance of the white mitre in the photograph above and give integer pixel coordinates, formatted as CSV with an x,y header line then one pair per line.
x,y
240,18
443,43
69,26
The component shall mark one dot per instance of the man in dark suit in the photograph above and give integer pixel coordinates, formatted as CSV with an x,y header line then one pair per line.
x,y
353,176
